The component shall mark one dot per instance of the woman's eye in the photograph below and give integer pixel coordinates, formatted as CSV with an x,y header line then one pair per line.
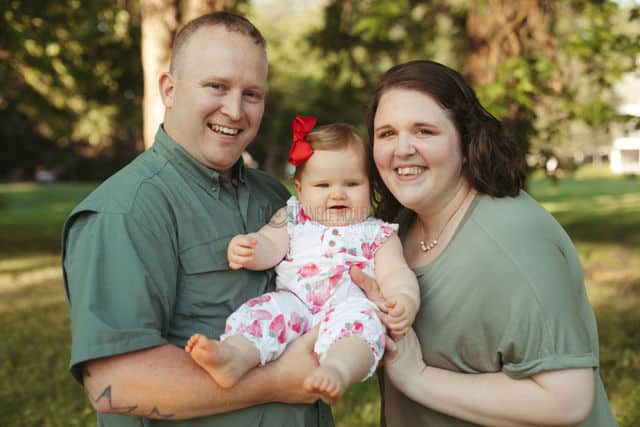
x,y
385,134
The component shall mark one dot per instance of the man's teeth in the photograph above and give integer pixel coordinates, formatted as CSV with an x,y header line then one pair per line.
x,y
224,130
413,170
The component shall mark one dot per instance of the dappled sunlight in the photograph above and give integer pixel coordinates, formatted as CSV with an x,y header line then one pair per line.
x,y
23,263
30,281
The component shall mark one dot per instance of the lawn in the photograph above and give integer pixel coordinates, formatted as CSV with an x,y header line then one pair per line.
x,y
600,212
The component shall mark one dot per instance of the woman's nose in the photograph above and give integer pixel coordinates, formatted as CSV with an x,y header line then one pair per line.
x,y
404,146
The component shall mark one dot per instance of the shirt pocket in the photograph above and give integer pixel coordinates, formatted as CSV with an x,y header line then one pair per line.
x,y
205,257
207,288
208,291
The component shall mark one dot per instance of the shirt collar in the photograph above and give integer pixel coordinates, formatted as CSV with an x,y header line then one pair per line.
x,y
204,176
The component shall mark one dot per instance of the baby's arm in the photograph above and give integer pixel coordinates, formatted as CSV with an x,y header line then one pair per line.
x,y
263,249
398,285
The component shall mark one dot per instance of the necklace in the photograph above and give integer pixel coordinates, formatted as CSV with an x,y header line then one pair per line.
x,y
426,247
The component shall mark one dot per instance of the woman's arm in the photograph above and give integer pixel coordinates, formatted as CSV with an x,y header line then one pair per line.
x,y
554,398
263,249
164,383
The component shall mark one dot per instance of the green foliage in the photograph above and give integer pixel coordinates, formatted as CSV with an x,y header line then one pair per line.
x,y
71,75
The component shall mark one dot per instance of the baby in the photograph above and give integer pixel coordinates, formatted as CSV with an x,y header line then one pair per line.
x,y
313,243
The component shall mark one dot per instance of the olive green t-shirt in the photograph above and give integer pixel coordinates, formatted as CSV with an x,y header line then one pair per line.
x,y
145,264
507,294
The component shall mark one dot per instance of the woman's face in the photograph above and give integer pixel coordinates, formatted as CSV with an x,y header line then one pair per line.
x,y
417,150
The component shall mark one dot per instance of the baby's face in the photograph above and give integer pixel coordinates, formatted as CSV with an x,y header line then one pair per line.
x,y
333,188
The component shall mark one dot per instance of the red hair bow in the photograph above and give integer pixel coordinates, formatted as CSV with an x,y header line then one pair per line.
x,y
301,149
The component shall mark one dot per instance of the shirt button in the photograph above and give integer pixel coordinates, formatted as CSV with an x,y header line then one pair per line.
x,y
332,243
335,232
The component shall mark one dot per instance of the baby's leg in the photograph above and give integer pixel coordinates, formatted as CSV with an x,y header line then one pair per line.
x,y
347,362
226,361
350,344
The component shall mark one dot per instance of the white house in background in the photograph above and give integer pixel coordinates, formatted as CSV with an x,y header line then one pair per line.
x,y
625,150
625,155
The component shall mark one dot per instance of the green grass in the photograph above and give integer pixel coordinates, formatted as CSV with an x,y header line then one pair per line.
x,y
600,212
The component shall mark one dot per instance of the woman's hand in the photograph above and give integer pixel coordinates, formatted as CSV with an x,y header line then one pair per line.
x,y
368,285
403,362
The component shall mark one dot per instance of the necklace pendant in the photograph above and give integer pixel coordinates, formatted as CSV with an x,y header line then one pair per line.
x,y
426,247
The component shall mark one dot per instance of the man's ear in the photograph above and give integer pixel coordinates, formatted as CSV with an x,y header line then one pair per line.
x,y
167,89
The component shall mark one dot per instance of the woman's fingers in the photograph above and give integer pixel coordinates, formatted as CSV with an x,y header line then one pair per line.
x,y
366,283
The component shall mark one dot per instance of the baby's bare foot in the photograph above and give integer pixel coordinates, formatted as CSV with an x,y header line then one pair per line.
x,y
328,382
217,358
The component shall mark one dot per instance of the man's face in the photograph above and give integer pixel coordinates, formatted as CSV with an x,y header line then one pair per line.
x,y
214,100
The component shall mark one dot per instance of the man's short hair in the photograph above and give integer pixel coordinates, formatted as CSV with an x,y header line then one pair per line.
x,y
231,21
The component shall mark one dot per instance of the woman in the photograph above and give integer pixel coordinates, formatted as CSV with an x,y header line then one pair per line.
x,y
505,335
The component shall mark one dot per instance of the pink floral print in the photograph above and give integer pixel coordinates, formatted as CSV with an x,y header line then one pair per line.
x,y
278,329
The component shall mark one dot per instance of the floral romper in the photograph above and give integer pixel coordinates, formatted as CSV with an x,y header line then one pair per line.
x,y
314,287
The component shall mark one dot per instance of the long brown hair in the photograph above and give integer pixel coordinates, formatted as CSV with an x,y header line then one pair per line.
x,y
494,164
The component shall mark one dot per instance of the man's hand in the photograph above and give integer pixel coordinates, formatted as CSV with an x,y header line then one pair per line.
x,y
240,251
293,367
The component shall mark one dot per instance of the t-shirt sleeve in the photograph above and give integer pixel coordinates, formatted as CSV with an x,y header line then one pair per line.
x,y
120,278
551,325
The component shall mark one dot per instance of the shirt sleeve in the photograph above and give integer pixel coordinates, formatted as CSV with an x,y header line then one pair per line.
x,y
120,279
551,324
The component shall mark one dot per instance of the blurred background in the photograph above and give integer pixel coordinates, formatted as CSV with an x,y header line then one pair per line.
x,y
78,100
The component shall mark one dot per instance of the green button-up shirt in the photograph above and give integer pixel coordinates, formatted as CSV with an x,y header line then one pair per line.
x,y
145,264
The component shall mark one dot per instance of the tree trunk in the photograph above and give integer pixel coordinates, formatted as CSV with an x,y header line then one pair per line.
x,y
160,21
501,29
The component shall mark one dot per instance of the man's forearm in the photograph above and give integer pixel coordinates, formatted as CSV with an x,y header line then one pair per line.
x,y
164,383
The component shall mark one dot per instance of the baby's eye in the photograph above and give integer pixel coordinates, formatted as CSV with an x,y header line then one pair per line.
x,y
353,184
322,185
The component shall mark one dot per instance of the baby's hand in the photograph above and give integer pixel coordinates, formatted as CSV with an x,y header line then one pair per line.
x,y
240,251
396,316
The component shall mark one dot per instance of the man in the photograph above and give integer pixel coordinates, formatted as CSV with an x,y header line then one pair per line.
x,y
144,255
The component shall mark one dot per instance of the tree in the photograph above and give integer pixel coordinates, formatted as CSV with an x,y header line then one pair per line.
x,y
62,90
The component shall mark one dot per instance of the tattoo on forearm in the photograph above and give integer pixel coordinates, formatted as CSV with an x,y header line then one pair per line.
x,y
156,413
126,410
106,394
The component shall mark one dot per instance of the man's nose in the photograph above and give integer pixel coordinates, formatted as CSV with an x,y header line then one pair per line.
x,y
232,105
